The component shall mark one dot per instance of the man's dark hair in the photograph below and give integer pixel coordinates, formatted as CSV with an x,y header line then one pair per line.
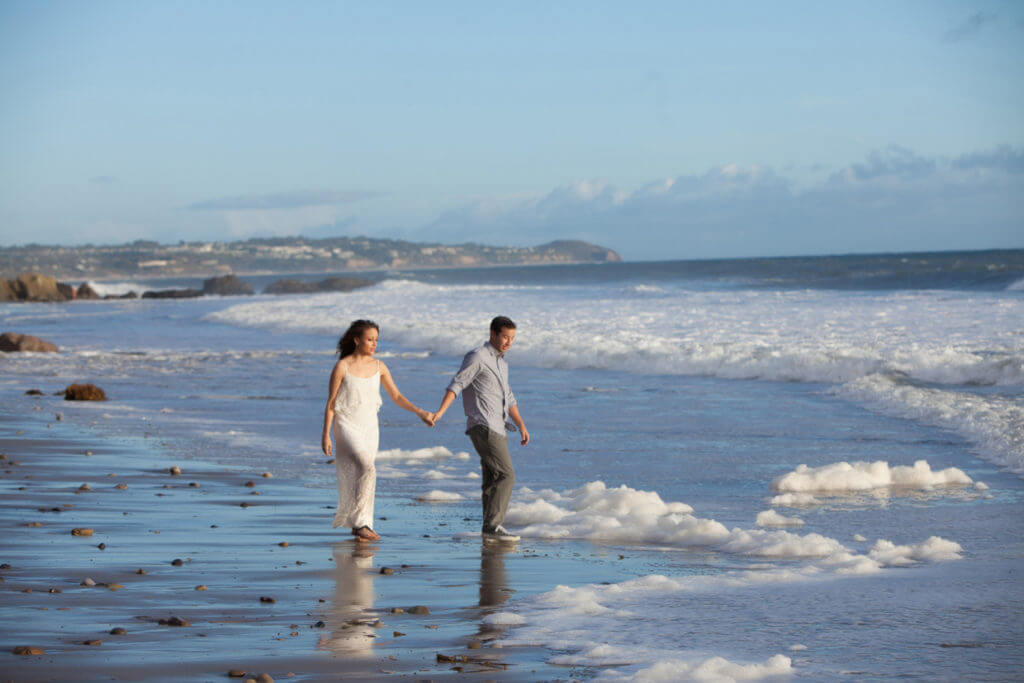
x,y
500,323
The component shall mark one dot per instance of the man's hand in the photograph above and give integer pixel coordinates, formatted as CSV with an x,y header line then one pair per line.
x,y
526,436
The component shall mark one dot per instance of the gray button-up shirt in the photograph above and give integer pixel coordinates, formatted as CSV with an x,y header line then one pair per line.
x,y
484,379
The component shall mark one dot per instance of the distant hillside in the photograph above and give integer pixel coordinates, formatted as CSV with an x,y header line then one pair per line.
x,y
279,255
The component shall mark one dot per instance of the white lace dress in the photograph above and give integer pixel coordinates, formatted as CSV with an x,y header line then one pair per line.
x,y
356,438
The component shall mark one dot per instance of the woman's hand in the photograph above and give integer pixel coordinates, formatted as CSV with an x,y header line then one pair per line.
x,y
325,444
428,418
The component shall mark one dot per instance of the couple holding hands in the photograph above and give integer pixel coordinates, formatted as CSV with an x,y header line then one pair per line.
x,y
353,401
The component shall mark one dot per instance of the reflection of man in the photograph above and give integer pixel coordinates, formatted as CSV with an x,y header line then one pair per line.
x,y
489,405
493,583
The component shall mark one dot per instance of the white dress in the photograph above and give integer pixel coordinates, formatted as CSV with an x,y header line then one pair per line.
x,y
356,438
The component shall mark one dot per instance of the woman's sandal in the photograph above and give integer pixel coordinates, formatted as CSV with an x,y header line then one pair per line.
x,y
365,533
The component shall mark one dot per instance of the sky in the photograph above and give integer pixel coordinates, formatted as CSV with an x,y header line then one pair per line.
x,y
658,129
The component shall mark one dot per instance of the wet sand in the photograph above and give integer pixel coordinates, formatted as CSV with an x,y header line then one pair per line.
x,y
333,612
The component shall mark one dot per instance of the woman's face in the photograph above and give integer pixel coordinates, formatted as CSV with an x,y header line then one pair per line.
x,y
367,343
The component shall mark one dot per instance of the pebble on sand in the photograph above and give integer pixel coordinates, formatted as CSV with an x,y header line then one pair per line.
x,y
81,532
397,634
387,571
102,546
236,673
92,642
397,610
140,571
419,609
28,650
85,487
87,582
173,621
267,599
193,484
176,562
114,586
266,475
319,624
474,645
201,587
284,544
250,484
175,470
118,631
121,487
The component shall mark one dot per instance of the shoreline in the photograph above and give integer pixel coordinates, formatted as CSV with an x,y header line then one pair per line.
x,y
332,610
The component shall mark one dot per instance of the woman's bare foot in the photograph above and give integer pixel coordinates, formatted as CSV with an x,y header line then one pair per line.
x,y
365,533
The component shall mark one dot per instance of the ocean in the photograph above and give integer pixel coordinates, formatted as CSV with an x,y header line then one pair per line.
x,y
757,468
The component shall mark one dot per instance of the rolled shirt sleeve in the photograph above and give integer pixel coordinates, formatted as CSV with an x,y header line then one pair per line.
x,y
483,382
471,366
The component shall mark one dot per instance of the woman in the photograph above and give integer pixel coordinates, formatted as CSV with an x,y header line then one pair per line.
x,y
352,404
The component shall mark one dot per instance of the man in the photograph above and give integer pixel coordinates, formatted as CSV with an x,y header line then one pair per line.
x,y
489,405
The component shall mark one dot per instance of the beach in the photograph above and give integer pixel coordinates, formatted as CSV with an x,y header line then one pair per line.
x,y
731,476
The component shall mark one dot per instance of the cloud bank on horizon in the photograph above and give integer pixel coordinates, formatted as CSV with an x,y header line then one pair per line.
x,y
661,130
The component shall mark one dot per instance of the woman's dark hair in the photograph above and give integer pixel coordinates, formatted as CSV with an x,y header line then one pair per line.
x,y
347,343
500,323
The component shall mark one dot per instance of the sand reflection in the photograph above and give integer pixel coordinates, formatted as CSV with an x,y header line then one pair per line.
x,y
349,619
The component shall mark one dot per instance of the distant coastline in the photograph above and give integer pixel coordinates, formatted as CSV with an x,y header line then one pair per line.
x,y
287,255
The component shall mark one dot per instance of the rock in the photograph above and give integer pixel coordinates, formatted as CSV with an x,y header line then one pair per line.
x,y
474,645
377,623
33,392
121,487
319,624
201,587
243,505
267,599
176,562
85,487
172,294
173,621
236,673
87,582
92,642
284,544
387,571
397,610
140,571
84,392
127,295
226,285
175,470
250,484
36,287
419,609
7,292
193,484
342,284
115,586
28,650
34,524
266,475
118,631
86,293
264,678
397,634
81,531
102,546
12,342
290,286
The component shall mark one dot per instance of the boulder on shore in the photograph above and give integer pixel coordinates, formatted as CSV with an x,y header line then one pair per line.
x,y
36,287
331,284
84,392
12,342
172,294
7,292
86,292
226,285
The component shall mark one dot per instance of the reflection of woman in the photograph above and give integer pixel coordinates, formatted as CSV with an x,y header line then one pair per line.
x,y
351,632
352,404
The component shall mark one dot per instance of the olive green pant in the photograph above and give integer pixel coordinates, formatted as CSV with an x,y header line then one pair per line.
x,y
498,476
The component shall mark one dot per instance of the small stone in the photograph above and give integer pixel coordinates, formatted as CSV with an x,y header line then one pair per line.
x,y
329,462
387,571
267,599
174,621
319,624
175,470
88,452
87,582
121,487
377,624
201,587
92,642
243,505
250,484
118,631
140,571
236,673
193,484
264,678
255,493
419,609
27,650
115,586
55,590
102,546
284,544
85,487
5,565
81,532
59,416
34,524
474,645
397,610
397,634
176,562
267,475
293,634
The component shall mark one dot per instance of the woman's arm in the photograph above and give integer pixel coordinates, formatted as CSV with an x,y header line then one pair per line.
x,y
401,401
337,375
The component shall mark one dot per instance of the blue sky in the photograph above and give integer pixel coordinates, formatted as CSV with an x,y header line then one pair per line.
x,y
660,129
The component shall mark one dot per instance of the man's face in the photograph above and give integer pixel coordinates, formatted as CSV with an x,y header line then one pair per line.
x,y
502,340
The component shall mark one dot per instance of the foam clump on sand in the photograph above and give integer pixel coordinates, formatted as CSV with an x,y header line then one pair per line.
x,y
714,669
438,496
504,619
795,500
935,549
846,477
773,518
420,454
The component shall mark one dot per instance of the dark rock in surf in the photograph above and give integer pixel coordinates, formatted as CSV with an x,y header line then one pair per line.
x,y
226,285
12,342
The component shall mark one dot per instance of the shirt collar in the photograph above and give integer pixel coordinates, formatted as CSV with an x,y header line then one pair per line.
x,y
494,351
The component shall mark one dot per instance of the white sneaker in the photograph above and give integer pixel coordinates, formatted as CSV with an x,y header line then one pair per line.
x,y
500,533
